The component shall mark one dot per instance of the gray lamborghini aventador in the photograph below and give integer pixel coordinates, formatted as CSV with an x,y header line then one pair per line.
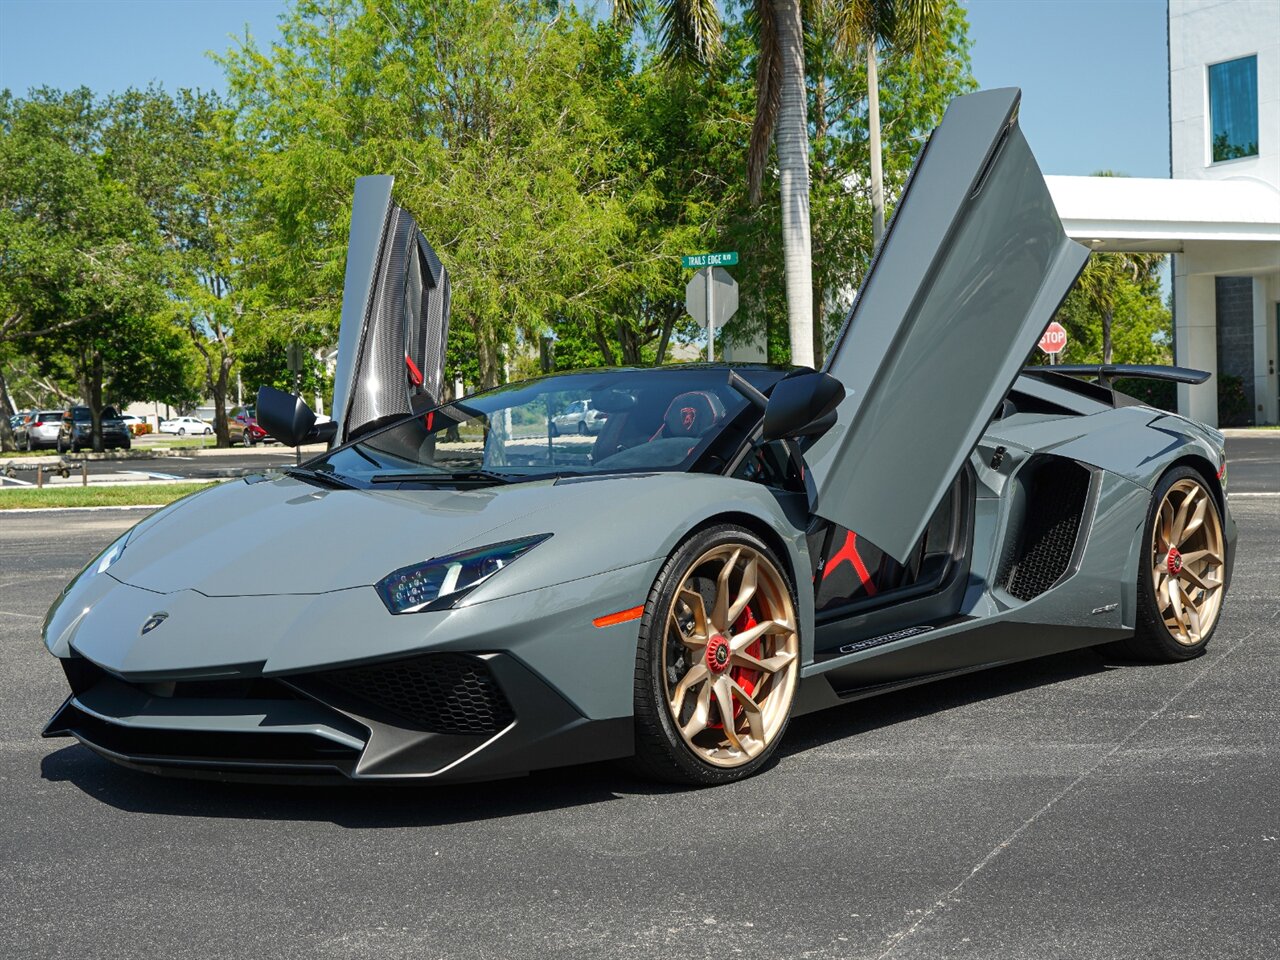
x,y
463,591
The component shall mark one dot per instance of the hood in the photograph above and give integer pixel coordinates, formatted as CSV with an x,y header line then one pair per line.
x,y
267,537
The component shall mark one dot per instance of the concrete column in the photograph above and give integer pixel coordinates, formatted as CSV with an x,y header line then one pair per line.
x,y
1264,352
1195,339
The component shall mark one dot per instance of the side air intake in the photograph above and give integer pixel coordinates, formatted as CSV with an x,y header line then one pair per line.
x,y
1050,507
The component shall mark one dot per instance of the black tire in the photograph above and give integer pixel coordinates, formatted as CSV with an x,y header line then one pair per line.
x,y
207,431
1152,640
182,431
582,429
553,430
661,751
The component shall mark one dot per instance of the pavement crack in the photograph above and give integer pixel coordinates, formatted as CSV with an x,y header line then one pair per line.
x,y
951,896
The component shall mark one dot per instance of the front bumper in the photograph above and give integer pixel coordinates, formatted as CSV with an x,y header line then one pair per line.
x,y
439,716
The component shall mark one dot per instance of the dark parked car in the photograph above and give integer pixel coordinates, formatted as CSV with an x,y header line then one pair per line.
x,y
37,428
76,431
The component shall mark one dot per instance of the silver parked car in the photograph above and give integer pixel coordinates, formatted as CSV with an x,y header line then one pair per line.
x,y
577,416
38,429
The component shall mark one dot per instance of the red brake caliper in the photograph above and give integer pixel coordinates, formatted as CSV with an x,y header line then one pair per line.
x,y
744,677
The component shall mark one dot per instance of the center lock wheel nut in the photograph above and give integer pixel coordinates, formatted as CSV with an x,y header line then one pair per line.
x,y
718,654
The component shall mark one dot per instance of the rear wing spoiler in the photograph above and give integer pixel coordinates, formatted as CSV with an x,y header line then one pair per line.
x,y
1113,371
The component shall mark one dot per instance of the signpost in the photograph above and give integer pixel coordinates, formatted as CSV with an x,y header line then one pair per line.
x,y
1054,340
711,297
293,356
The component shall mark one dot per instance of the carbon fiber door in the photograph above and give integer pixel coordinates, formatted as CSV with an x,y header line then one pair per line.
x,y
395,316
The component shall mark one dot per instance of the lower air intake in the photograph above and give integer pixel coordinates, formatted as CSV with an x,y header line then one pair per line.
x,y
438,692
1055,492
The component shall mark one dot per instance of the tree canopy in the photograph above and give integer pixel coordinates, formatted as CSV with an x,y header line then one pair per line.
x,y
165,245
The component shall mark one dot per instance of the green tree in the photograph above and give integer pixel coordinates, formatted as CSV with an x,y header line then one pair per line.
x,y
79,263
690,35
494,119
180,155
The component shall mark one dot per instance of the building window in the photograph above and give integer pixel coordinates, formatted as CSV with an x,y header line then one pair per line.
x,y
1233,109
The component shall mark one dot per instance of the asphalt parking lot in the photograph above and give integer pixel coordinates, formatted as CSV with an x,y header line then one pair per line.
x,y
1069,807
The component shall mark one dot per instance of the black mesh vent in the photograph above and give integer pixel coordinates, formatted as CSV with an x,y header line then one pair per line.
x,y
1056,491
439,692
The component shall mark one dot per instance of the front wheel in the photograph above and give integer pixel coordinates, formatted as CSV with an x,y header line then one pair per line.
x,y
718,660
1180,581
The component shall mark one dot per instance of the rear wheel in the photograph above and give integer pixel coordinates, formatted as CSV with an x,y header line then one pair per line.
x,y
582,429
1180,584
182,431
718,661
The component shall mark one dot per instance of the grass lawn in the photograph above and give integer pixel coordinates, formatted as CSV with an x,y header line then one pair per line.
x,y
173,440
14,498
42,452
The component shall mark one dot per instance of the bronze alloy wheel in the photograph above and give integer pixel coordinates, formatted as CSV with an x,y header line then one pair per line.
x,y
1187,561
731,654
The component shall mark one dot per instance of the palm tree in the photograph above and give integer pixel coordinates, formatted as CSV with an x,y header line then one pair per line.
x,y
1104,273
690,33
905,26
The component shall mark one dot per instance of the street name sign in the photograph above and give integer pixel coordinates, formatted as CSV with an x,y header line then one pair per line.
x,y
696,260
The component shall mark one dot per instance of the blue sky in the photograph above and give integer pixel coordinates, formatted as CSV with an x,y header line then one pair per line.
x,y
1093,72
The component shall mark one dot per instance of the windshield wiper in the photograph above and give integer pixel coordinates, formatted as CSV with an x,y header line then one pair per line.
x,y
443,476
319,477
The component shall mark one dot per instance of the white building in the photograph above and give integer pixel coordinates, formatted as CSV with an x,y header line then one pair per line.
x,y
1224,126
1219,212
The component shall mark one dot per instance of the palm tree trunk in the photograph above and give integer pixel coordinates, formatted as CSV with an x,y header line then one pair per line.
x,y
791,138
6,411
1107,318
873,127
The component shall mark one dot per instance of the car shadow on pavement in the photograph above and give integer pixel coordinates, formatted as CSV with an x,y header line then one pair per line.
x,y
370,806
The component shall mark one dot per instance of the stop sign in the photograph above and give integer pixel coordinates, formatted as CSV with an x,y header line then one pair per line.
x,y
1054,339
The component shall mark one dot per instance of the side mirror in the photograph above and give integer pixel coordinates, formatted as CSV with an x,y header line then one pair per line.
x,y
802,405
284,416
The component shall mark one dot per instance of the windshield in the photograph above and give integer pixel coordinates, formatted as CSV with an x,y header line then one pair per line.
x,y
658,419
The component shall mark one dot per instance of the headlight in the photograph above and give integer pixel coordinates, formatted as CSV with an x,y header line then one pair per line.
x,y
442,582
